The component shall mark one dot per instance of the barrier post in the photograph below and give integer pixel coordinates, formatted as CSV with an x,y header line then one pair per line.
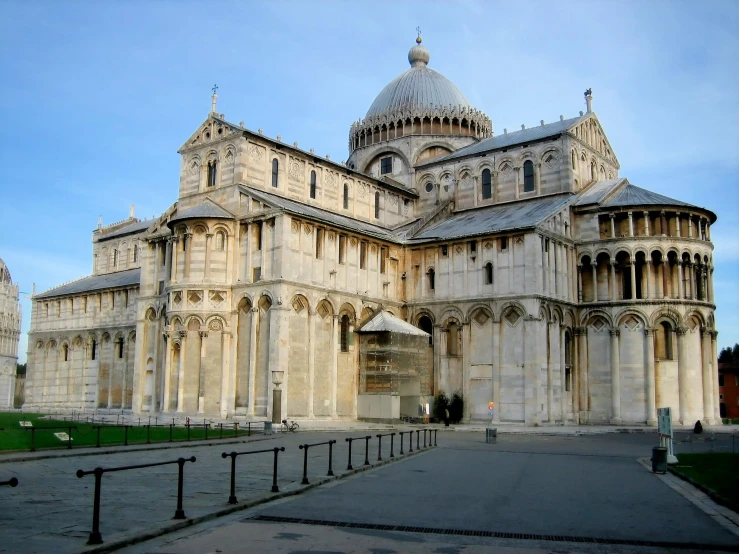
x,y
424,438
410,442
436,431
401,442
188,429
206,429
95,537
148,428
418,433
392,437
220,426
232,498
366,449
171,426
304,447
274,471
236,428
125,435
379,448
179,512
330,450
349,462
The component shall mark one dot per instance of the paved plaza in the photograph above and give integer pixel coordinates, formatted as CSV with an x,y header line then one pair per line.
x,y
589,492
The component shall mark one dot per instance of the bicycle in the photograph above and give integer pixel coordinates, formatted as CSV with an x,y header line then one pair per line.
x,y
292,426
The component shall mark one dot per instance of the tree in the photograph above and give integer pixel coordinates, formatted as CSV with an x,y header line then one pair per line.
x,y
20,369
441,403
729,355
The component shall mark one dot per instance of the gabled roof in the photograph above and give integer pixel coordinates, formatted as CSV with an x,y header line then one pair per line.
x,y
521,214
134,227
319,214
384,321
92,283
509,139
595,193
207,209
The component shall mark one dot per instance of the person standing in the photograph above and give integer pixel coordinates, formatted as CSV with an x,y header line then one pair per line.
x,y
446,417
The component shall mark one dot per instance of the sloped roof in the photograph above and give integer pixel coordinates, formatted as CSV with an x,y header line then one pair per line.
x,y
135,227
94,283
207,209
385,321
493,219
320,214
509,139
631,195
595,193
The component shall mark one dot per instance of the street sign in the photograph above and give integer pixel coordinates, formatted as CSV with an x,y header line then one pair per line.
x,y
664,421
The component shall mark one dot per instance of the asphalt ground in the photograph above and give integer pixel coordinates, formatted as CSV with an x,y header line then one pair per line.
x,y
522,494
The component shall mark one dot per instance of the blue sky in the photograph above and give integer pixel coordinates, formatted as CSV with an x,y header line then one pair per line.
x,y
98,96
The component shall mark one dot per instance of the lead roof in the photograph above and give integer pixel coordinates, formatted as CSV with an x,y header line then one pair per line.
x,y
92,283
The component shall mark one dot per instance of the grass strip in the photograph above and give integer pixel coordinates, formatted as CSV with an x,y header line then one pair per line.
x,y
715,473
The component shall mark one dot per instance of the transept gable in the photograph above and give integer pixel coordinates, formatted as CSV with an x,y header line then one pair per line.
x,y
589,132
213,130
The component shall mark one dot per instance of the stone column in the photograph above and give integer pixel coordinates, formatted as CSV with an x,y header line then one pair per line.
x,y
188,253
168,261
201,372
594,266
226,380
517,171
663,224
174,241
181,374
648,269
575,373
167,370
253,358
612,217
579,283
632,263
550,389
714,373
651,378
631,224
690,226
665,268
615,378
707,380
646,223
562,374
335,346
709,283
583,360
678,225
208,239
614,291
498,367
682,375
311,361
466,331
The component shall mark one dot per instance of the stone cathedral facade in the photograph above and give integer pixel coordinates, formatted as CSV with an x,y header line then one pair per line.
x,y
548,284
10,334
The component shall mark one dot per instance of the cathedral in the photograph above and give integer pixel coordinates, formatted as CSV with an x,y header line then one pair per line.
x,y
10,334
516,267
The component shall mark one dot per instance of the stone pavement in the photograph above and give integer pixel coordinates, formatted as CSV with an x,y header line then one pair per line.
x,y
51,509
523,494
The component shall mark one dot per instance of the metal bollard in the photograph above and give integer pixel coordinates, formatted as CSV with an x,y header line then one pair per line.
x,y
401,442
410,442
392,436
349,462
424,438
418,445
330,450
366,449
379,448
304,447
435,433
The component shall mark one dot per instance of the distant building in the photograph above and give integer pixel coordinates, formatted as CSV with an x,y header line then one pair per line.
x,y
10,333
549,285
728,389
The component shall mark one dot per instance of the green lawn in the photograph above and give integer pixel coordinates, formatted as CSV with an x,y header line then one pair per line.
x,y
16,437
717,472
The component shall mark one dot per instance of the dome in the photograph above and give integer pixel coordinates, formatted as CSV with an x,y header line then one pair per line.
x,y
419,88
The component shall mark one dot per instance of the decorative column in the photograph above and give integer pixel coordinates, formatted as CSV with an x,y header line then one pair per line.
x,y
632,263
646,223
167,370
709,282
615,378
208,238
690,226
663,224
466,330
714,375
181,374
562,374
651,378
665,268
649,278
579,282
335,346
707,380
188,253
682,375
594,266
498,330
550,386
277,377
517,171
168,261
614,291
253,358
678,224
311,361
226,391
583,360
613,225
173,263
631,224
201,373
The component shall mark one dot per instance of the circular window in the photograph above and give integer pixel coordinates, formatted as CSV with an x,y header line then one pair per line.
x,y
429,187
207,135
220,131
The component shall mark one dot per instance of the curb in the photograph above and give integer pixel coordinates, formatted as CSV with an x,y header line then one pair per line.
x,y
136,539
713,495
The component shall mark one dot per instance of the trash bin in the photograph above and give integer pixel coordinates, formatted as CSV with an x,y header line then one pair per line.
x,y
491,435
267,427
659,459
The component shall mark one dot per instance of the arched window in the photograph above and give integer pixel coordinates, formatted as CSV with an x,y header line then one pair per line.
x,y
432,276
115,257
592,171
135,253
275,171
663,342
377,205
451,345
65,352
346,196
573,160
487,188
344,333
119,347
312,184
488,273
424,323
212,170
93,349
528,176
220,241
